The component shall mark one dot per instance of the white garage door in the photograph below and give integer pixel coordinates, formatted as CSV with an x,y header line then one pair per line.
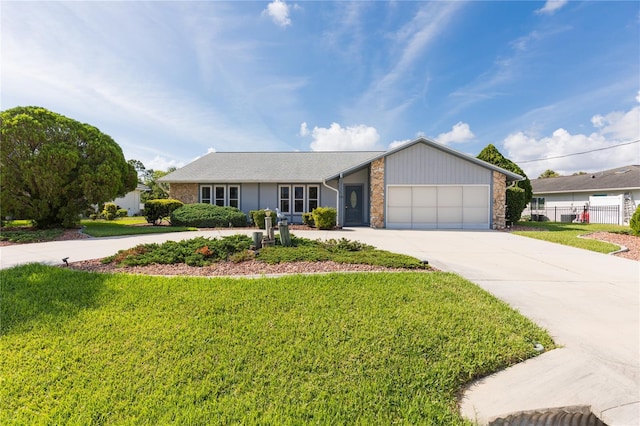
x,y
438,207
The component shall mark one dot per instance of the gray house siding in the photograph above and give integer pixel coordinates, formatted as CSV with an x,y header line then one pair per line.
x,y
250,197
422,164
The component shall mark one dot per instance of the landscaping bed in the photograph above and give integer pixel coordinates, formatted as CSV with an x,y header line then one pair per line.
x,y
249,267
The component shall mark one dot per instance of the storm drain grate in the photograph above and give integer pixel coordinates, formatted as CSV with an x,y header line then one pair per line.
x,y
557,417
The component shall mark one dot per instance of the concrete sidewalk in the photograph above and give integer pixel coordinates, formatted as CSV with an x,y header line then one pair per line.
x,y
589,302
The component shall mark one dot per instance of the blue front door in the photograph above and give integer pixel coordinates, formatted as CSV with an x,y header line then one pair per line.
x,y
353,205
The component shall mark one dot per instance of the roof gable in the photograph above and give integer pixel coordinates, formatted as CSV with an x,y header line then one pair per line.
x,y
510,175
627,177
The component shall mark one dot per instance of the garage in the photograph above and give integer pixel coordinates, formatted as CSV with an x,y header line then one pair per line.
x,y
438,207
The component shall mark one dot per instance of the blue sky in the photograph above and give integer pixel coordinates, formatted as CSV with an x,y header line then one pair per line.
x,y
170,81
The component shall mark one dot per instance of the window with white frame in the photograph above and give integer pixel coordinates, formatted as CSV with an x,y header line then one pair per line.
x,y
205,194
313,192
234,196
537,203
219,195
298,199
284,199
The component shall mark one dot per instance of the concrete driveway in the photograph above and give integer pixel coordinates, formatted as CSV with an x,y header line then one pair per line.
x,y
589,302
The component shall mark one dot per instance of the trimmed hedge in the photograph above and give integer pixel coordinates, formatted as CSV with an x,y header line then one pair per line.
x,y
257,217
110,211
635,222
516,202
307,219
203,215
156,210
324,217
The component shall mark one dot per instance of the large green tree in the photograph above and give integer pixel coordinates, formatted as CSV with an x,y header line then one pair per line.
x,y
518,194
54,168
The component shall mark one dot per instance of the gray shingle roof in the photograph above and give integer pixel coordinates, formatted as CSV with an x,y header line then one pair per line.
x,y
291,167
627,177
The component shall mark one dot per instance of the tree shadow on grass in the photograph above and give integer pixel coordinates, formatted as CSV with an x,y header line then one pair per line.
x,y
36,293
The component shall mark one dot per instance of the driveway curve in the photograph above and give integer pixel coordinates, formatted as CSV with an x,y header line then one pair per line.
x,y
589,302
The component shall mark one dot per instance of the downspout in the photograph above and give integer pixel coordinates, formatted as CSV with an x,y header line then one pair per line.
x,y
338,221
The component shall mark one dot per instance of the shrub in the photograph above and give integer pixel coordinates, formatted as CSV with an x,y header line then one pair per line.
x,y
635,222
516,202
202,215
110,211
257,217
324,217
307,219
197,251
122,213
156,210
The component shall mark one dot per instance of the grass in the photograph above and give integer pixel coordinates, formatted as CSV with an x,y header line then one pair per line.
x,y
86,348
127,226
29,235
21,231
567,234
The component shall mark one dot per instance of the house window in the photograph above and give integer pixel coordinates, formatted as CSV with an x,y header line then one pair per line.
x,y
234,196
219,192
205,194
312,198
284,199
537,203
298,199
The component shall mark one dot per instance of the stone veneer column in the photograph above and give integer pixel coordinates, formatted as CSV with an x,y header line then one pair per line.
x,y
499,200
185,192
376,180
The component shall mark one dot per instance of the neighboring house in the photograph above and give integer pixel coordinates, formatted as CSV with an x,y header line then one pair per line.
x,y
418,185
610,196
131,201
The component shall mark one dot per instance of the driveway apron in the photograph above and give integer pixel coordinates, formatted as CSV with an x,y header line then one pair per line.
x,y
589,303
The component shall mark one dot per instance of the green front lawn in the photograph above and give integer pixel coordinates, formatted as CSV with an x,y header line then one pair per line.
x,y
127,226
567,234
378,348
21,231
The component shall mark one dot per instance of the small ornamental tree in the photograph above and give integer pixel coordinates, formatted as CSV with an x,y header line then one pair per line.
x,y
55,168
516,201
156,210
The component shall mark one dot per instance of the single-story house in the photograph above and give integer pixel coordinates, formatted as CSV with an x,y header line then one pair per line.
x,y
610,196
417,185
131,201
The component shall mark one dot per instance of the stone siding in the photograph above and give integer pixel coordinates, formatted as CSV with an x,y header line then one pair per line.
x,y
376,214
499,200
185,192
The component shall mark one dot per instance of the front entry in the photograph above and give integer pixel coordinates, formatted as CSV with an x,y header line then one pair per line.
x,y
353,205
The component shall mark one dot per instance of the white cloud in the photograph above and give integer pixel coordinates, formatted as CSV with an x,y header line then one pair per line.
x,y
161,163
460,132
304,130
278,10
551,6
338,138
612,129
396,144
